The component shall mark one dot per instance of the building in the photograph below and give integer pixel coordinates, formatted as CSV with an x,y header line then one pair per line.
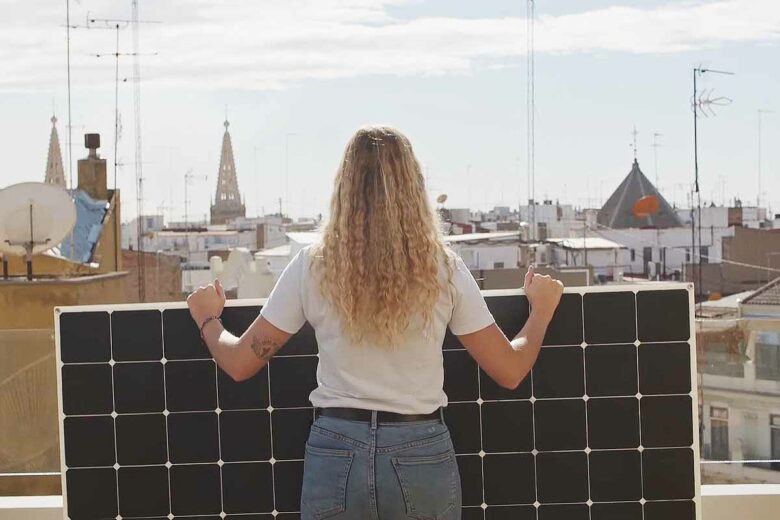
x,y
547,219
739,362
749,259
658,239
608,259
227,201
495,250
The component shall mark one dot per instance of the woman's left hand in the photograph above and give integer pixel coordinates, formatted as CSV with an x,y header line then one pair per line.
x,y
206,302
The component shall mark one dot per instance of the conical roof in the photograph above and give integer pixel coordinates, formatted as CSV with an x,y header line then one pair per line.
x,y
55,174
618,213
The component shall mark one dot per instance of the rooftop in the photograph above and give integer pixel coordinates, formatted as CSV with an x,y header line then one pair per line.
x,y
585,243
766,295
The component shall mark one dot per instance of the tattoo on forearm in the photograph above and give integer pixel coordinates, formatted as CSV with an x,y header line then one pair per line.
x,y
264,347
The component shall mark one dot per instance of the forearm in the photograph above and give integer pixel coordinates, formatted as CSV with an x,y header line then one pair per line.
x,y
527,343
242,357
224,347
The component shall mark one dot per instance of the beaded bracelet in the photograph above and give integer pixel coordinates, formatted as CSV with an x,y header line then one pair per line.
x,y
206,322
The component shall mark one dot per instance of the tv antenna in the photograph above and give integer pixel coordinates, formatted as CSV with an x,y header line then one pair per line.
x,y
705,102
34,217
189,177
701,104
761,112
656,145
530,110
117,25
633,143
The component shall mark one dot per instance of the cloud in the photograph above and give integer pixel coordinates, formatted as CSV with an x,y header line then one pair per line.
x,y
267,44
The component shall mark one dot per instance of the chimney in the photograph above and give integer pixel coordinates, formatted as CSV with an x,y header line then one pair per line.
x,y
92,170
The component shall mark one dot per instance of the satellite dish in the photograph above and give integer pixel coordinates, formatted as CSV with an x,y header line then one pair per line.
x,y
34,217
646,206
441,199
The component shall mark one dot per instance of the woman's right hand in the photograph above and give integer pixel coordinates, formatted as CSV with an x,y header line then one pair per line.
x,y
544,293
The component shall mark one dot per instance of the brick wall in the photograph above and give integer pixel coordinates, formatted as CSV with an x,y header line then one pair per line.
x,y
162,275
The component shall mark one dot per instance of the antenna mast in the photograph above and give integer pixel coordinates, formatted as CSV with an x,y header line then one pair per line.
x,y
70,130
700,103
761,112
139,180
656,145
530,109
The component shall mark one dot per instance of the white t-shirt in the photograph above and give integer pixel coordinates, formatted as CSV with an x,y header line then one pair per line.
x,y
407,378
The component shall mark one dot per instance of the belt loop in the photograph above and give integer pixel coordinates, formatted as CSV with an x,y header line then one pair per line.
x,y
441,414
374,414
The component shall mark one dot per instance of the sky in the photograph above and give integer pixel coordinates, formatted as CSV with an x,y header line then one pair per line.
x,y
297,77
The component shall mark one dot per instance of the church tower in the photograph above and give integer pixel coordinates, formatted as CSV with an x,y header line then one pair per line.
x,y
55,174
227,203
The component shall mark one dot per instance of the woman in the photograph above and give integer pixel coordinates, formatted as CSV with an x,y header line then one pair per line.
x,y
380,290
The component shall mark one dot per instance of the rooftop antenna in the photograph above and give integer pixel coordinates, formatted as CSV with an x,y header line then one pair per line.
x,y
257,183
287,172
116,25
761,112
35,217
189,177
70,132
701,104
633,145
656,145
139,179
530,109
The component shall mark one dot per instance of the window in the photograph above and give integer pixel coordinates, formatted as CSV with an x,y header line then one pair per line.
x,y
719,433
633,255
768,355
498,265
774,433
687,255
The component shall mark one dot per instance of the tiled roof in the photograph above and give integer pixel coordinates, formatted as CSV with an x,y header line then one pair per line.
x,y
766,295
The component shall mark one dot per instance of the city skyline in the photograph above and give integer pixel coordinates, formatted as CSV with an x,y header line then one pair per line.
x,y
451,75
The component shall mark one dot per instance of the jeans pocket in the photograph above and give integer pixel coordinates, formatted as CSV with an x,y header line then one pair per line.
x,y
430,485
325,474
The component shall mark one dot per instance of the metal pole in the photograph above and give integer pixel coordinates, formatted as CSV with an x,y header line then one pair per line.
x,y
30,246
695,185
70,123
116,106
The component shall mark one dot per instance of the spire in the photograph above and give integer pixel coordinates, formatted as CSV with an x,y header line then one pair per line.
x,y
55,174
227,202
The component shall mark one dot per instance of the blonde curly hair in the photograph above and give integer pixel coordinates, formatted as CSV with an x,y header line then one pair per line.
x,y
381,247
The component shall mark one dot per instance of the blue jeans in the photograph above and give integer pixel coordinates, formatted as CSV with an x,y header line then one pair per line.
x,y
380,471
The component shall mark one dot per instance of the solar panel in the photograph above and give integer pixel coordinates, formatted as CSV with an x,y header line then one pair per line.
x,y
604,428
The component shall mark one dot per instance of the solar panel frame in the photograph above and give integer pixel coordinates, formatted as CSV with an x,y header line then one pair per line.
x,y
550,462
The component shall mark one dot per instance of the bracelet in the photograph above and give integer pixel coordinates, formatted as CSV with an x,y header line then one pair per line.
x,y
206,322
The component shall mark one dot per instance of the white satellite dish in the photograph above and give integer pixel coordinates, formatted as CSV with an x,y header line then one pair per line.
x,y
34,217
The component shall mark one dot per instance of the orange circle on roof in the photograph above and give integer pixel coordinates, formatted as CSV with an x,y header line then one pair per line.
x,y
647,205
